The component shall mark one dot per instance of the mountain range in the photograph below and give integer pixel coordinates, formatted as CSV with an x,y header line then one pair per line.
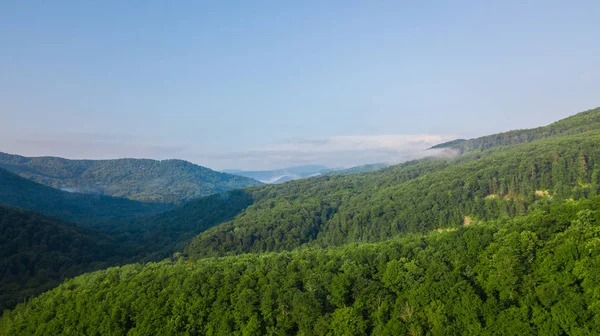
x,y
295,173
85,209
499,238
166,181
282,175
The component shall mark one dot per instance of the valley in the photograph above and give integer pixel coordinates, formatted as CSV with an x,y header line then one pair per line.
x,y
501,237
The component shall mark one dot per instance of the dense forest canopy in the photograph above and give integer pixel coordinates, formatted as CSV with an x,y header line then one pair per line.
x,y
167,181
37,252
530,275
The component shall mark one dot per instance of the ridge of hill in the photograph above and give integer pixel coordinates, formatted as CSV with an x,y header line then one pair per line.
x,y
579,123
83,209
166,181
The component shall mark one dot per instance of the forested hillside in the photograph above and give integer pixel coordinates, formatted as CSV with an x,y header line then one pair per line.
x,y
38,252
80,208
360,169
578,123
167,181
412,197
160,235
532,275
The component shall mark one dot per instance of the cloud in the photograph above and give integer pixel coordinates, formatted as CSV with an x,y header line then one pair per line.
x,y
335,151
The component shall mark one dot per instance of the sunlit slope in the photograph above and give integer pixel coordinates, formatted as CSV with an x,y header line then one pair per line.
x,y
576,124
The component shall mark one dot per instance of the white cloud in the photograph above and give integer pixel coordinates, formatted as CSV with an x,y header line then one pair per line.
x,y
335,151
394,142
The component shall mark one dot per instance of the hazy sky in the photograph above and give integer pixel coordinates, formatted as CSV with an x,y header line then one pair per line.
x,y
268,84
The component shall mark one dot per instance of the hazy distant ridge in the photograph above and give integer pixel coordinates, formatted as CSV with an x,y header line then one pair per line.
x,y
166,181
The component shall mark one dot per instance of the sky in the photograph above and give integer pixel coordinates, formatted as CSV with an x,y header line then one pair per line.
x,y
270,84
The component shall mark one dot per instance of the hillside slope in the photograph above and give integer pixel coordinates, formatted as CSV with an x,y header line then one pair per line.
x,y
159,236
579,123
38,252
80,208
167,181
530,275
412,197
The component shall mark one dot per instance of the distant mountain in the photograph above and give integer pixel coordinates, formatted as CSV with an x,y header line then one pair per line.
x,y
282,175
167,181
361,169
294,173
81,208
38,252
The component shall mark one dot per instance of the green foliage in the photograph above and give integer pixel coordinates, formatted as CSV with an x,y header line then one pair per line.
x,y
534,274
360,169
129,232
80,208
167,181
160,235
38,252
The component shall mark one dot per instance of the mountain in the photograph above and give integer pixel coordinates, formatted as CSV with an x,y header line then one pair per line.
x,y
532,275
282,175
415,196
75,207
500,238
167,181
158,236
412,197
38,252
361,169
295,173
449,144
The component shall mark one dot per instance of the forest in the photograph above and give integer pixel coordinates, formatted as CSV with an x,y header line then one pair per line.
x,y
534,275
501,237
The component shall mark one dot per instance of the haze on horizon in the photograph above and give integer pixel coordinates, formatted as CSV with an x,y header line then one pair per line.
x,y
268,84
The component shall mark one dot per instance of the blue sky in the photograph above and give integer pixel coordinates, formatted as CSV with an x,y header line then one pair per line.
x,y
268,84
